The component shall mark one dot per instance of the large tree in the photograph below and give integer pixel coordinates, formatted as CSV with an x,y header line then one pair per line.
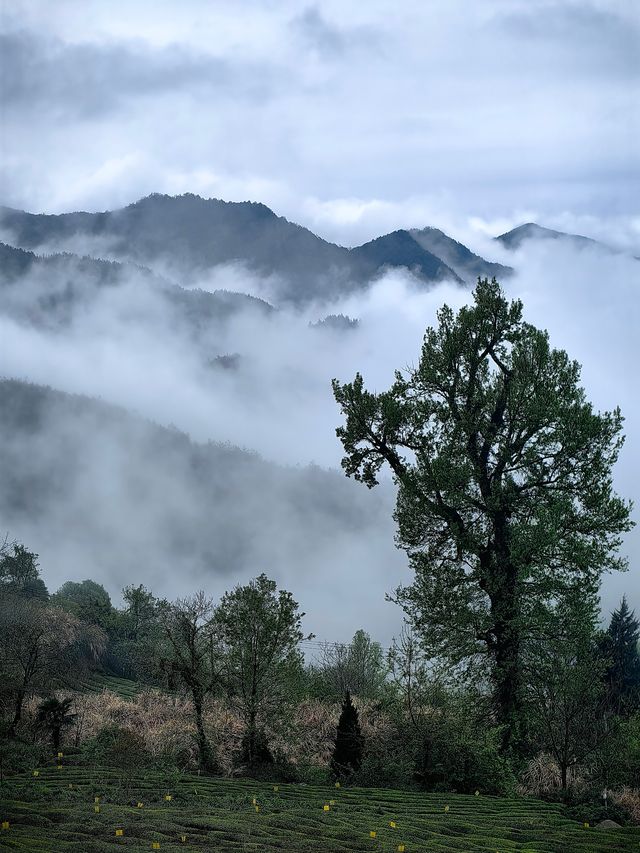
x,y
503,469
41,649
259,629
193,656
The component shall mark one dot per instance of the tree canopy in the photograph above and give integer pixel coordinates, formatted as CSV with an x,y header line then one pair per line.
x,y
504,472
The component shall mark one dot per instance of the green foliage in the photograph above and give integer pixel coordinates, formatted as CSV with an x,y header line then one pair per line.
x,y
54,715
192,659
619,757
505,497
620,646
18,756
19,573
349,745
259,631
115,746
87,600
358,667
218,814
567,707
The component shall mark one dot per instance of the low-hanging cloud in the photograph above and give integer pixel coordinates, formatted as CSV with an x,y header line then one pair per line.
x,y
324,537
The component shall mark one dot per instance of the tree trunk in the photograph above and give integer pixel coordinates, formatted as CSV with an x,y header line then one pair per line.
x,y
506,647
252,737
17,715
205,754
563,773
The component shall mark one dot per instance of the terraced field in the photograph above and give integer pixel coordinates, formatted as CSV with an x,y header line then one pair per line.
x,y
57,811
123,687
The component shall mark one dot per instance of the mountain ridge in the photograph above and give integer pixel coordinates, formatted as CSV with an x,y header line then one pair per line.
x,y
189,236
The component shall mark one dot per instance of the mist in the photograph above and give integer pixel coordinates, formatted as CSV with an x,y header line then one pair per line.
x,y
327,539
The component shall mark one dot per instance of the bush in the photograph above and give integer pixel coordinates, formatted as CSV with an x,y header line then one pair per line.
x,y
118,747
16,756
383,770
628,800
457,756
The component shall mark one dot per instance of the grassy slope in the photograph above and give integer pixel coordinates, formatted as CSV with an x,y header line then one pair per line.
x,y
123,687
55,812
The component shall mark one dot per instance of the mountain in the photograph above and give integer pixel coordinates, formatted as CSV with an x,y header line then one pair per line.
x,y
465,263
531,231
400,249
49,290
185,237
100,492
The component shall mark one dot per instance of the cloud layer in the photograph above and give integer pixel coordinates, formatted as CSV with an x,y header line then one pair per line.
x,y
344,118
125,347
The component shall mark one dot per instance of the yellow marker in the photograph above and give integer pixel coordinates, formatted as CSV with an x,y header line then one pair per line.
x,y
337,784
446,808
257,808
59,766
392,824
326,808
96,809
155,845
477,793
168,797
119,831
183,839
60,755
71,784
254,802
276,788
586,824
96,800
372,834
5,824
400,848
140,805
36,772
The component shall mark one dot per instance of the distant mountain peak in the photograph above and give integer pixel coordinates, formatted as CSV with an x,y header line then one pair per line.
x,y
532,231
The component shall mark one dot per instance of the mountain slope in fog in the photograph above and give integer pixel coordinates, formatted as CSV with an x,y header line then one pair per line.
x,y
100,492
185,237
50,290
531,231
467,265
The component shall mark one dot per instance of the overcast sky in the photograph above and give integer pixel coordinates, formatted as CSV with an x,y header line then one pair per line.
x,y
351,118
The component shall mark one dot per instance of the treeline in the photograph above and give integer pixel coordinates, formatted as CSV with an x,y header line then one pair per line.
x,y
428,725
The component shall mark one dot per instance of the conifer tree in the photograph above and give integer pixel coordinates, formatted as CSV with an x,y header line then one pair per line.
x,y
621,648
347,754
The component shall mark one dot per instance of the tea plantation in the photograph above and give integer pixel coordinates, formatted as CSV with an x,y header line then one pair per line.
x,y
85,810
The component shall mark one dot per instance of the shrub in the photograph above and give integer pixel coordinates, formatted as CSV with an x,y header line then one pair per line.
x,y
17,756
118,747
627,799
